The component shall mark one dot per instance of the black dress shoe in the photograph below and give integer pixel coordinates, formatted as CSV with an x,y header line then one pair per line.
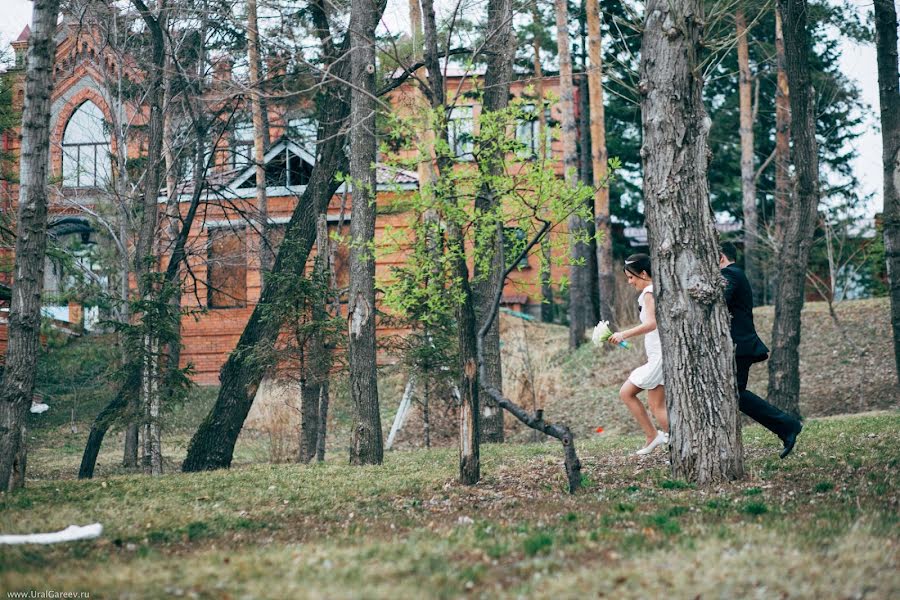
x,y
789,440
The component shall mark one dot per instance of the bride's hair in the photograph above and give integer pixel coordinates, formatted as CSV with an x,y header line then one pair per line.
x,y
638,263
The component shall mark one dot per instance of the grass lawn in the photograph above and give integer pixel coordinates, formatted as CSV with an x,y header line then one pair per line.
x,y
821,524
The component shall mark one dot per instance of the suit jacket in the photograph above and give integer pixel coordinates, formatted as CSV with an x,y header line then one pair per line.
x,y
739,298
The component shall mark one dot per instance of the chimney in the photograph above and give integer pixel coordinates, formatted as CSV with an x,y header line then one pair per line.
x,y
20,47
222,68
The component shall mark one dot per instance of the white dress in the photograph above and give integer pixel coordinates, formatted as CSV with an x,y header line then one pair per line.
x,y
649,375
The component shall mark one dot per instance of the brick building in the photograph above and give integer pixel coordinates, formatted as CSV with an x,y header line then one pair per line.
x,y
222,282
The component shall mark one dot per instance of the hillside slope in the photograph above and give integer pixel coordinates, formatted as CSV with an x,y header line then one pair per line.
x,y
845,367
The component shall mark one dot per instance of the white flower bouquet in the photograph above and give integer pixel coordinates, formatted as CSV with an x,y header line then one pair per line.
x,y
601,334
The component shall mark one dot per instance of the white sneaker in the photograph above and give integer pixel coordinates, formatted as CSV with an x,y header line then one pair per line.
x,y
661,438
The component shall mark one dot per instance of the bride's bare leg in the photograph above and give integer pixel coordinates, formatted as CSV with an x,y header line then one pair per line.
x,y
656,398
628,394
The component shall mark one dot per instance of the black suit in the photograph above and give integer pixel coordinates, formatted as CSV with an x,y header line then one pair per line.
x,y
750,349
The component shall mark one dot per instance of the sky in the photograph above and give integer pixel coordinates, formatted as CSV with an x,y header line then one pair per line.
x,y
857,62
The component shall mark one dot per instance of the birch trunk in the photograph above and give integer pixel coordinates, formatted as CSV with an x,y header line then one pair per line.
x,y
701,390
31,242
889,99
748,175
599,159
366,443
800,219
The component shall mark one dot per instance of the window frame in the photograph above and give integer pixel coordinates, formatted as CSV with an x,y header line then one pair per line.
x,y
211,290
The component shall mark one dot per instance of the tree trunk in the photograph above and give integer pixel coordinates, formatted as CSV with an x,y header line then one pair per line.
x,y
309,419
31,242
318,358
587,251
104,420
500,49
800,221
322,428
144,256
259,150
889,99
748,175
212,446
577,297
469,417
548,310
366,444
783,190
150,400
599,159
701,390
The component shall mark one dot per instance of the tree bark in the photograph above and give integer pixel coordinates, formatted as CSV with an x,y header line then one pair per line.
x,y
587,251
783,191
889,100
309,419
259,150
366,443
577,299
318,357
548,310
322,428
469,416
31,242
748,174
701,390
500,50
800,221
212,446
599,159
144,255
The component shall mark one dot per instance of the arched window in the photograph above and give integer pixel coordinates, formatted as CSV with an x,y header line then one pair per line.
x,y
85,147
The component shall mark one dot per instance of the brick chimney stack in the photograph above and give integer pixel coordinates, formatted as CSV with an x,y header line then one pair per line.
x,y
20,47
222,68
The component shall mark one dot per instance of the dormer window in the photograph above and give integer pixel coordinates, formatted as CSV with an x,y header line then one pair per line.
x,y
85,145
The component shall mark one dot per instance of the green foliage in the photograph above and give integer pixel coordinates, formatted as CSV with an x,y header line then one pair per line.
x,y
538,543
155,333
674,484
824,486
755,508
530,203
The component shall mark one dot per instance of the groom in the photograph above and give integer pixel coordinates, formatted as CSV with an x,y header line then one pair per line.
x,y
750,349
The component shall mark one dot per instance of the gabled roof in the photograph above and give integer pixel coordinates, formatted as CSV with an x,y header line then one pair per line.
x,y
233,183
277,148
385,175
25,35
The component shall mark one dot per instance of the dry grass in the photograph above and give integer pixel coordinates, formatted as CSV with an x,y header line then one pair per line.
x,y
822,523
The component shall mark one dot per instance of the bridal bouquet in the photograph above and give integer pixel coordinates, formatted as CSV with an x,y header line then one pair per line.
x,y
601,335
